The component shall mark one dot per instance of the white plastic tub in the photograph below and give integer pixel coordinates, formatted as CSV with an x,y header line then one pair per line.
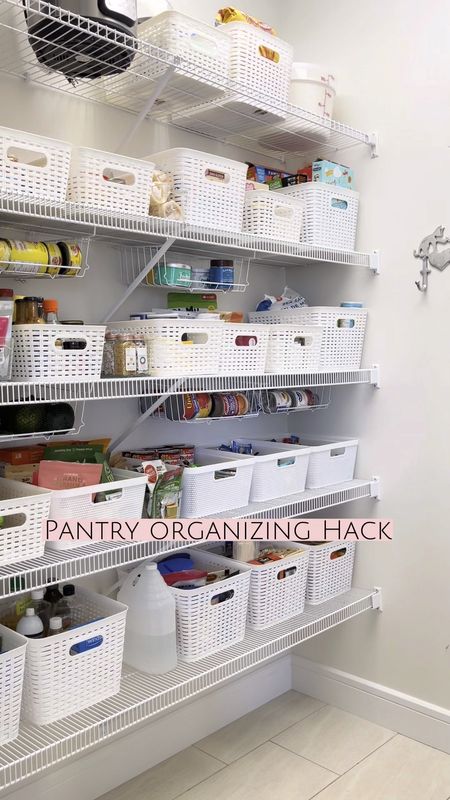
x,y
244,349
331,461
293,348
272,216
33,166
330,214
220,482
313,88
39,354
24,509
330,570
12,663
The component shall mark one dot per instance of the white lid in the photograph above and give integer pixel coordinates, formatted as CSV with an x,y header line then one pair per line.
x,y
37,594
29,612
151,566
306,71
55,623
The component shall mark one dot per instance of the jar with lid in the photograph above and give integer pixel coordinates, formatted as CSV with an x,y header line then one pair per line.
x,y
29,311
141,355
125,356
108,366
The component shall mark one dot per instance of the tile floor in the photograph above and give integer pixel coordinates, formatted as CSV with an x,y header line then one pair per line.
x,y
296,748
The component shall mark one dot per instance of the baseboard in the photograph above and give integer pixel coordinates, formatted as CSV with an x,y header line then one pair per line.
x,y
109,765
399,712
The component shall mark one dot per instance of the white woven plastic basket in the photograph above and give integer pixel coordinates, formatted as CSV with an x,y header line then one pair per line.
x,y
279,469
344,330
12,663
33,166
331,461
251,63
126,503
24,509
220,482
213,617
110,182
271,216
205,48
277,589
244,349
330,214
70,671
293,348
39,353
330,570
178,347
209,188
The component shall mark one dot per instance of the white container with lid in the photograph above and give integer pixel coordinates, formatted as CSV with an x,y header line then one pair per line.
x,y
30,625
313,88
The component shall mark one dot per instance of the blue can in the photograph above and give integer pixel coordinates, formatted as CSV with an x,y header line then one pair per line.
x,y
221,275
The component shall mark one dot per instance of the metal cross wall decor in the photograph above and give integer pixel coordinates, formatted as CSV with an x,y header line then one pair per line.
x,y
431,256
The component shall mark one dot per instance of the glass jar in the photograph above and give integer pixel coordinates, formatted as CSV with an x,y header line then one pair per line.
x,y
27,311
125,365
141,355
108,366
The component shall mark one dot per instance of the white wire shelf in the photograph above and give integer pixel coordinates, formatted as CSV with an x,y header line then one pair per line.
x,y
23,392
64,565
20,211
144,696
65,42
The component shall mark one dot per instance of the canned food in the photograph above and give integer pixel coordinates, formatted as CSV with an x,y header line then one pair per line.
x,y
55,258
5,253
28,256
225,405
72,257
181,407
243,404
204,405
276,401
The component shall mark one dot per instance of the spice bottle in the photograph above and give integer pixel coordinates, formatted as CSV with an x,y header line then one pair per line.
x,y
51,312
55,626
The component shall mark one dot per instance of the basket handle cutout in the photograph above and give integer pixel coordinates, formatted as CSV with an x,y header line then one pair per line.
x,y
203,44
18,154
222,597
9,521
287,212
225,474
58,345
116,496
345,323
338,451
118,177
303,341
338,553
341,205
267,52
86,645
288,461
286,573
194,337
217,176
246,341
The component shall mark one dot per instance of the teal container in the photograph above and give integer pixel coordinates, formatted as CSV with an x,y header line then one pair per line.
x,y
172,275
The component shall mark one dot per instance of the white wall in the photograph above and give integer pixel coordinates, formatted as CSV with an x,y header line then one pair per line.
x,y
392,66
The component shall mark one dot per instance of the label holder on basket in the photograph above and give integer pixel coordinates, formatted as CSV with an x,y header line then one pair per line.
x,y
217,176
85,645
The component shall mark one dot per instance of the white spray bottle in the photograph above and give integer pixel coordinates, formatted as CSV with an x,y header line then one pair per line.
x,y
150,634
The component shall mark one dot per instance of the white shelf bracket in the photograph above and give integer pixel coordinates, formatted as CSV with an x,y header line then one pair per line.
x,y
374,262
160,85
374,143
375,488
377,598
139,278
145,415
375,376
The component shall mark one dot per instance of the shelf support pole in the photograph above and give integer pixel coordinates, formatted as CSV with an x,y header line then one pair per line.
x,y
148,267
145,415
159,87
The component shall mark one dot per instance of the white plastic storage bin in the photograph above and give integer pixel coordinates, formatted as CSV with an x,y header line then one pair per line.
x,y
331,461
244,349
213,617
293,348
278,470
313,88
272,216
78,668
330,570
209,188
259,61
33,166
205,49
277,589
168,353
79,503
344,330
110,182
330,214
39,352
220,482
12,663
24,509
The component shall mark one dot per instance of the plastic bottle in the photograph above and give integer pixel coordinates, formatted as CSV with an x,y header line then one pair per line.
x,y
30,625
66,607
51,312
41,607
55,626
150,634
53,596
